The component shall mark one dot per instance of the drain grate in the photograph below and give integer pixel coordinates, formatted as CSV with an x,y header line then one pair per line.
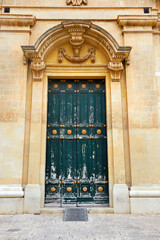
x,y
76,214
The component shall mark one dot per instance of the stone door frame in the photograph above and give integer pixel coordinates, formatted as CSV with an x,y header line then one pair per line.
x,y
116,107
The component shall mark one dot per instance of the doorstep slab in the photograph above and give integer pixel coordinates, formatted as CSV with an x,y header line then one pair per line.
x,y
61,211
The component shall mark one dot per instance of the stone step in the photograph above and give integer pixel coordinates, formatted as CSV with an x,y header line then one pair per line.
x,y
91,210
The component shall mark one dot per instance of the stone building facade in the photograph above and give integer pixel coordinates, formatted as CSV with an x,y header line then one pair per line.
x,y
117,42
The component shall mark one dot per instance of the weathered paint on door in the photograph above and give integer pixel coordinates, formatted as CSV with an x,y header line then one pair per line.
x,y
76,166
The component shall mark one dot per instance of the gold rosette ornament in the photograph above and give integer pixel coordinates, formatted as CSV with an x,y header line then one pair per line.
x,y
84,189
53,189
69,132
83,131
99,131
100,189
69,189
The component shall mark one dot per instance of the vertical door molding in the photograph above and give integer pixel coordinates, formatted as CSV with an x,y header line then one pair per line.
x,y
32,190
120,189
110,139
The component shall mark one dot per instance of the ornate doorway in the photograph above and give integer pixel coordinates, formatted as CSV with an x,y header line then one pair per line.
x,y
53,56
76,168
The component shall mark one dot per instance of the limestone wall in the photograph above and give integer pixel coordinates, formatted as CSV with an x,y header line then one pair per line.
x,y
13,75
143,108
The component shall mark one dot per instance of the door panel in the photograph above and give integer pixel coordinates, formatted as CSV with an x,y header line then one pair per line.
x,y
69,171
84,171
76,168
53,171
67,136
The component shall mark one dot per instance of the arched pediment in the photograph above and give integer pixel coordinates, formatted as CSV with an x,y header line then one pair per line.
x,y
63,33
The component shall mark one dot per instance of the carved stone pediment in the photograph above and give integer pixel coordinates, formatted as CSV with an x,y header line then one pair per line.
x,y
76,32
76,2
87,30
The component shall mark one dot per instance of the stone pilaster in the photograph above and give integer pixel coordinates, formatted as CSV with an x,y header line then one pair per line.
x,y
32,190
120,189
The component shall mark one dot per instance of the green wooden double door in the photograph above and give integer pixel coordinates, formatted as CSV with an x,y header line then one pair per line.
x,y
76,161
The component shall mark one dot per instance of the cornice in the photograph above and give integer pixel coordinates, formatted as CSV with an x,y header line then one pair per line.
x,y
17,20
137,20
79,7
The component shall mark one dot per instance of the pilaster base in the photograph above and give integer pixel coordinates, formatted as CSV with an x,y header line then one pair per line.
x,y
11,199
32,198
11,206
145,199
121,198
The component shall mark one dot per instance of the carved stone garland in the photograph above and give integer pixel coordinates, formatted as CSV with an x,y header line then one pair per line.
x,y
76,40
37,70
115,70
76,2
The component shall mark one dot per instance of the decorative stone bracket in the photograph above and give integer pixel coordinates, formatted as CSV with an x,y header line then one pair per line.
x,y
76,2
37,68
115,70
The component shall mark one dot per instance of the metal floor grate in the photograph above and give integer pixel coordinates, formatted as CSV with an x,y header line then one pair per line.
x,y
76,214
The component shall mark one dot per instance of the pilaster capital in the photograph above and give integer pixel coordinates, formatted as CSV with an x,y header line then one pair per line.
x,y
37,68
17,20
115,70
137,20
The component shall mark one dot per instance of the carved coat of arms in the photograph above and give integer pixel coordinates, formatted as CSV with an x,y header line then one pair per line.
x,y
76,2
76,41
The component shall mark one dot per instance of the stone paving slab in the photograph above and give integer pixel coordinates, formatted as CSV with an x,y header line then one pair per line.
x,y
99,227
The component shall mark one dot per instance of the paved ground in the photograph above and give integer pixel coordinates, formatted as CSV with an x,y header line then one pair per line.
x,y
105,227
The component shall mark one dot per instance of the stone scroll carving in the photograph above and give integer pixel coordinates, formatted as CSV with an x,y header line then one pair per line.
x,y
76,2
76,41
115,70
37,68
